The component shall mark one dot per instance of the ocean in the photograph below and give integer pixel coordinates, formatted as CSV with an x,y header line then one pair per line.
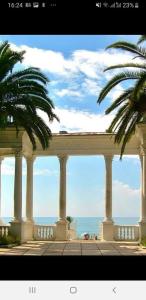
x,y
89,225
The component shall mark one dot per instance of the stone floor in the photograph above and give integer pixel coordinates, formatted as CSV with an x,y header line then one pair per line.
x,y
98,248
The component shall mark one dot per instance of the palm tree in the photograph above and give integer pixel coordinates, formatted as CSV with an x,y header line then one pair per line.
x,y
131,103
22,94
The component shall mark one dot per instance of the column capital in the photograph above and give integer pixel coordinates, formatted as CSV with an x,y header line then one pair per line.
x,y
63,158
108,158
30,158
142,150
18,153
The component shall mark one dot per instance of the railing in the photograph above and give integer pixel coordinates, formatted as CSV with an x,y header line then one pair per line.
x,y
126,232
44,232
4,230
100,231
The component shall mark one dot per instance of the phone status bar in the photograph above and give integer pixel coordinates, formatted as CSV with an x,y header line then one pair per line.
x,y
34,4
117,5
54,4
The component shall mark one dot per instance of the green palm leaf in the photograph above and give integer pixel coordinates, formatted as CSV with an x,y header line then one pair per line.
x,y
128,65
142,39
124,96
132,48
131,104
22,95
116,80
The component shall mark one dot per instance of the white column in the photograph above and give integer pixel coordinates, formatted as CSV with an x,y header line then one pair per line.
x,y
29,189
108,189
62,196
1,221
143,198
18,188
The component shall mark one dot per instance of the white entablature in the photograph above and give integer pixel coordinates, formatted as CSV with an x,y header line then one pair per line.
x,y
86,143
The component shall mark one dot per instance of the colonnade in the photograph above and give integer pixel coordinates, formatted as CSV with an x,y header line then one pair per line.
x,y
62,194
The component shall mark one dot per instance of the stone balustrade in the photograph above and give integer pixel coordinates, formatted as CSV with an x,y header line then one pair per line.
x,y
126,232
44,232
4,230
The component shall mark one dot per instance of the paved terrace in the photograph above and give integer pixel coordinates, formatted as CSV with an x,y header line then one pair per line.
x,y
80,248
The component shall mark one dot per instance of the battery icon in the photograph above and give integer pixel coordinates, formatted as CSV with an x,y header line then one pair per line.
x,y
136,5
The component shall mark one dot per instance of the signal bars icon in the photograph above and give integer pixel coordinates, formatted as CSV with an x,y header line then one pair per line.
x,y
116,5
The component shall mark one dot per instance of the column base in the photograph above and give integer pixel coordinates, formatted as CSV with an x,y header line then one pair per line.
x,y
142,230
107,231
62,230
22,231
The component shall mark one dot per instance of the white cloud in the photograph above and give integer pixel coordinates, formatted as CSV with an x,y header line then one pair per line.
x,y
48,60
83,69
91,63
8,169
116,92
80,121
91,87
45,172
69,93
126,200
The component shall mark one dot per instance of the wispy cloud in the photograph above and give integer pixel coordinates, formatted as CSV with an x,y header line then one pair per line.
x,y
45,172
68,92
81,72
75,120
126,200
8,169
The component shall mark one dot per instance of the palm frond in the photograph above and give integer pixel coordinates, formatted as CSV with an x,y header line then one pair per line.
x,y
141,39
116,119
128,65
130,131
116,80
123,97
139,86
132,48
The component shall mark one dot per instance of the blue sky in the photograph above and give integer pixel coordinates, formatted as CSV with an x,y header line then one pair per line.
x,y
74,65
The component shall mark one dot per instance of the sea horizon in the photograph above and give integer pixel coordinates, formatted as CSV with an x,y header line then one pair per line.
x,y
89,225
